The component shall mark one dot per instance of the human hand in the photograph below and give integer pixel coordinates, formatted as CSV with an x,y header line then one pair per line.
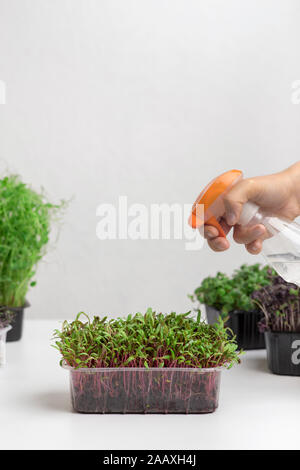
x,y
277,194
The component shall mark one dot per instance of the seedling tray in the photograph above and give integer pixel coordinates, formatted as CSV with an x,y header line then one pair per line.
x,y
142,390
244,327
15,333
283,352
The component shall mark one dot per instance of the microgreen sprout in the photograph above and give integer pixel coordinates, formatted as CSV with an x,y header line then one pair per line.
x,y
228,294
25,218
280,304
149,340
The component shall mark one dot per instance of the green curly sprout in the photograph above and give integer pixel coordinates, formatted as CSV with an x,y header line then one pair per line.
x,y
149,340
25,218
228,294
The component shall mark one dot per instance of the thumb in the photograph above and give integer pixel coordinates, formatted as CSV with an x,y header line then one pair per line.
x,y
242,192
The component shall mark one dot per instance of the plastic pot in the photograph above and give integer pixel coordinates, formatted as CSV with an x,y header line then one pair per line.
x,y
283,352
141,390
244,326
17,325
3,335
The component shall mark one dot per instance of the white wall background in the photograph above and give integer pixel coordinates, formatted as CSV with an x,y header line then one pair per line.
x,y
148,99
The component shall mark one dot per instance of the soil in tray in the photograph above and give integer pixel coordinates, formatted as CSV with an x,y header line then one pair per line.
x,y
145,392
85,398
205,393
136,386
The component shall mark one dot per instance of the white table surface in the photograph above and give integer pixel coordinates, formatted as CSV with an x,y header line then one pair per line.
x,y
257,410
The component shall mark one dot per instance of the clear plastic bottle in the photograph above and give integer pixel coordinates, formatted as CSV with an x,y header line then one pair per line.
x,y
282,249
3,332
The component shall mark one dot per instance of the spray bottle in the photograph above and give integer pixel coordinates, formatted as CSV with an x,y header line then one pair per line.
x,y
281,249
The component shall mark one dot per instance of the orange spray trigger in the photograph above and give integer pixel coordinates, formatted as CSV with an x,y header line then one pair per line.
x,y
209,207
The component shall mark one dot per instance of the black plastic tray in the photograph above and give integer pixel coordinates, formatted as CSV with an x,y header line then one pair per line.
x,y
244,326
15,333
283,352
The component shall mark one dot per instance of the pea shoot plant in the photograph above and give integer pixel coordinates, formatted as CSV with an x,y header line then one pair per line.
x,y
143,363
25,218
228,294
149,340
280,304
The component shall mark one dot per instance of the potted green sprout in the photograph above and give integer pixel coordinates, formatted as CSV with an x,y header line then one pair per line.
x,y
25,218
230,298
280,304
6,318
151,363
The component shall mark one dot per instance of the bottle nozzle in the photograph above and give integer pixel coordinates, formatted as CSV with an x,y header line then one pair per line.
x,y
249,210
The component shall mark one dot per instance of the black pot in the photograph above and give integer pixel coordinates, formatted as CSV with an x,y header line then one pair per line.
x,y
17,325
283,352
244,326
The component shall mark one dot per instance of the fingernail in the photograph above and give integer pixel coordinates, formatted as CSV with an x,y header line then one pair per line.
x,y
231,218
255,248
258,232
220,244
210,235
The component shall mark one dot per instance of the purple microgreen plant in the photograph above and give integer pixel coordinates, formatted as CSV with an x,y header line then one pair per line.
x,y
280,304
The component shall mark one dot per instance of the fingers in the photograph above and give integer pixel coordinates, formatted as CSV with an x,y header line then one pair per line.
x,y
255,247
251,237
248,189
210,232
215,242
247,235
219,244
